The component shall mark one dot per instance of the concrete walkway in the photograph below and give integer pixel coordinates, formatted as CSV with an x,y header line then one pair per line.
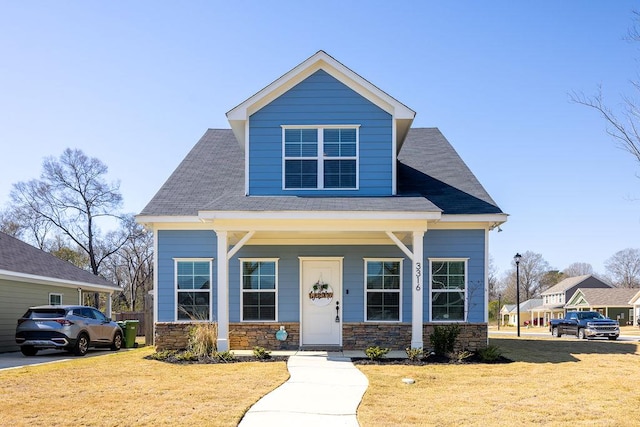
x,y
324,389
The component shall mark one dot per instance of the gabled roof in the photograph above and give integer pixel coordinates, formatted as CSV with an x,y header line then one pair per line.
x,y
603,297
402,114
22,262
570,282
524,305
432,178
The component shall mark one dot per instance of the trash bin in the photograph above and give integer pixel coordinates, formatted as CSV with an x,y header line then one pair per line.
x,y
130,332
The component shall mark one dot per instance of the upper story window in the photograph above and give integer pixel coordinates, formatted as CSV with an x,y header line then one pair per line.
x,y
320,157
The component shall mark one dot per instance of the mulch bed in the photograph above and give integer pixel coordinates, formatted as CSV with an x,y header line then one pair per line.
x,y
176,358
431,360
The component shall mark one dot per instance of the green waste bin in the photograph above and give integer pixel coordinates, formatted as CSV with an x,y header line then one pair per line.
x,y
130,331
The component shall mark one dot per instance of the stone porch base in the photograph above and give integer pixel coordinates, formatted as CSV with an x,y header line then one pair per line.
x,y
355,336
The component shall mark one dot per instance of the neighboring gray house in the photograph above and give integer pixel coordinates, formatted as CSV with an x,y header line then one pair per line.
x,y
30,276
614,303
323,214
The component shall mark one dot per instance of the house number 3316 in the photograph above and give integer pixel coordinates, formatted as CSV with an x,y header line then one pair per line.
x,y
418,275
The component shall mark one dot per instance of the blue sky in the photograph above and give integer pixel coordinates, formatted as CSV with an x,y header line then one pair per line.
x,y
136,84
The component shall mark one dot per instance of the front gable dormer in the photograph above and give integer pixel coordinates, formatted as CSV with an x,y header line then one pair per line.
x,y
321,130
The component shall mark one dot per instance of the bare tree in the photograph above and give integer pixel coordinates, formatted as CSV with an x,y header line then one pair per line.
x,y
624,268
533,269
131,267
623,126
578,269
69,200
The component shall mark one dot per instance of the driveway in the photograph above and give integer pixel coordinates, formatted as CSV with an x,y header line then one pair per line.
x,y
17,359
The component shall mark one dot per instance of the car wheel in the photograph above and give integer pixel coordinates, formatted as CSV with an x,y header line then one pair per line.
x,y
555,333
117,342
28,350
82,345
581,335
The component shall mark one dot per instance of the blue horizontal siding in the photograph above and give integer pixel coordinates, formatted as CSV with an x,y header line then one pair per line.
x,y
180,244
437,244
321,100
289,277
460,244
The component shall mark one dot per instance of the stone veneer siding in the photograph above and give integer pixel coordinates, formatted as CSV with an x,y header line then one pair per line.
x,y
355,336
397,336
246,336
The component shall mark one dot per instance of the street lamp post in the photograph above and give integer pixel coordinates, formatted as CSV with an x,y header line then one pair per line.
x,y
516,258
499,316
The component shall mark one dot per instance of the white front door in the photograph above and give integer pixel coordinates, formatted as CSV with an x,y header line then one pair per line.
x,y
321,289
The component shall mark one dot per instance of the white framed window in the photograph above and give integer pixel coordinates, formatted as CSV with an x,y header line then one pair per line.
x,y
193,288
320,157
383,290
55,299
448,289
259,289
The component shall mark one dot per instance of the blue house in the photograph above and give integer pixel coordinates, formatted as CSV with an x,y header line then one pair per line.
x,y
321,219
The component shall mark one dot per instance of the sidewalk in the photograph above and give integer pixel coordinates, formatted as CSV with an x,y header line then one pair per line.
x,y
324,389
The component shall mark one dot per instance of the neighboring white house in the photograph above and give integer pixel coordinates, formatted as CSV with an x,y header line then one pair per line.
x,y
526,316
30,276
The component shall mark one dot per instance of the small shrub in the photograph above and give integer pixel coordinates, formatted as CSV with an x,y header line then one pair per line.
x,y
162,355
225,356
203,338
443,339
261,353
376,353
187,356
414,354
490,353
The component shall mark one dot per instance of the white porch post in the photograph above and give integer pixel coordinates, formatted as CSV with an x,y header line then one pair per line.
x,y
223,291
108,310
417,286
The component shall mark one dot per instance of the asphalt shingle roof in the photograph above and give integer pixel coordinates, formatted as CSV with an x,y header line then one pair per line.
x,y
431,176
568,283
611,297
17,256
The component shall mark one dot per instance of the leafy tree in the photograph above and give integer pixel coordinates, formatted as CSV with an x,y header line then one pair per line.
x,y
549,279
578,269
624,268
68,201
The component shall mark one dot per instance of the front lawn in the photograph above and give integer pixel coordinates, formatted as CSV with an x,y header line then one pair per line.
x,y
124,389
551,382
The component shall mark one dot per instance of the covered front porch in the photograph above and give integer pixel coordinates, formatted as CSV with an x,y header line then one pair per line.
x,y
403,231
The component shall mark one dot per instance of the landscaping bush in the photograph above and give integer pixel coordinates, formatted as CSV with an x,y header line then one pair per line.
x,y
203,338
490,353
414,354
376,353
443,339
261,353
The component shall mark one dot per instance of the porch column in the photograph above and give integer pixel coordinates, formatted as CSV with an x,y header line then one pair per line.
x,y
108,309
417,285
223,291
